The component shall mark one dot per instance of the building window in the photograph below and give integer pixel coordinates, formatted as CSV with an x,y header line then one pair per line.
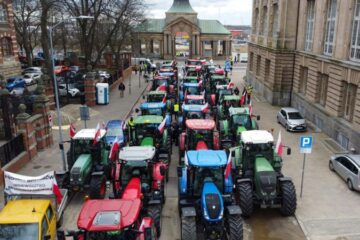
x,y
267,68
5,47
349,100
309,34
330,27
258,63
251,62
275,25
256,21
355,38
303,79
323,85
3,15
264,22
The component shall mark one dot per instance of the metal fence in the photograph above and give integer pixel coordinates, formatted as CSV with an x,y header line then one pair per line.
x,y
11,149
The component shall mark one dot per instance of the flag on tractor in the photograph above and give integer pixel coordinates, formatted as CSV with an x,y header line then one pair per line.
x,y
114,149
228,167
230,85
200,83
243,98
72,130
279,146
162,87
205,109
57,192
250,108
97,134
161,127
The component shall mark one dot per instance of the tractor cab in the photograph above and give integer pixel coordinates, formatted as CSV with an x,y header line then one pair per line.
x,y
163,83
191,79
193,71
193,111
190,89
195,99
156,96
171,74
158,109
205,191
221,91
217,80
226,102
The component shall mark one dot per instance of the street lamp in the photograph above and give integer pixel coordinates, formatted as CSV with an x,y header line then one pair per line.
x,y
51,29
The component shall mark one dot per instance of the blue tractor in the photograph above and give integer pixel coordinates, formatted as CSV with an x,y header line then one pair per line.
x,y
206,199
159,109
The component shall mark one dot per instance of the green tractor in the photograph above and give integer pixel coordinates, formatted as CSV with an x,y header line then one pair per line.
x,y
226,102
147,132
88,163
239,120
258,177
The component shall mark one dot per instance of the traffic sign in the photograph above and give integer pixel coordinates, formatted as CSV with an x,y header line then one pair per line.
x,y
50,120
306,143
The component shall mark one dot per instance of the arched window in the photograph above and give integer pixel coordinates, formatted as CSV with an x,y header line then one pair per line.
x,y
3,15
6,47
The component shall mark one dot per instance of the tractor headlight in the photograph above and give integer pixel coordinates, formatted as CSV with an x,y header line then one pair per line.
x,y
79,179
71,179
159,184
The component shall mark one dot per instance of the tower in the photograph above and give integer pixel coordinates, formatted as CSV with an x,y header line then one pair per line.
x,y
183,8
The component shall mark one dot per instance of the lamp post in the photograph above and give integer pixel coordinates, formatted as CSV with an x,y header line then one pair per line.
x,y
51,30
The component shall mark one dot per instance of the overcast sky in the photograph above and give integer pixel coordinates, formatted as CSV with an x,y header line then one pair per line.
x,y
229,12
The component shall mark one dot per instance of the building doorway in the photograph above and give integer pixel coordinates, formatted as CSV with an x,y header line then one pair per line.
x,y
182,45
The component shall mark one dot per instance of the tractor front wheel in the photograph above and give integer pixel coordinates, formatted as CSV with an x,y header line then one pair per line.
x,y
155,213
98,187
235,227
245,194
188,228
288,203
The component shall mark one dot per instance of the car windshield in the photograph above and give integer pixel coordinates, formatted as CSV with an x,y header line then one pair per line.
x,y
114,132
155,98
103,235
242,120
295,115
215,175
28,231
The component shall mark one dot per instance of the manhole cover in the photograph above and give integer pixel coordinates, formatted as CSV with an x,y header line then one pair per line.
x,y
37,167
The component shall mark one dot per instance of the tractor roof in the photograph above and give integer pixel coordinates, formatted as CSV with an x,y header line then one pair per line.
x,y
108,215
161,78
207,158
157,93
200,124
147,105
166,73
192,107
231,97
148,119
237,111
88,134
191,84
222,86
191,78
195,97
218,77
137,153
256,137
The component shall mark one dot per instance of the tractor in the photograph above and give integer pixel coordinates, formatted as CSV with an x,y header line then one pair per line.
x,y
159,109
190,89
88,163
200,134
206,199
170,74
194,79
193,111
162,83
123,218
226,102
214,81
221,91
230,129
146,133
258,177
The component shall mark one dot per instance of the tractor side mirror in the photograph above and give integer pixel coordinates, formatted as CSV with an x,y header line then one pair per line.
x,y
143,97
179,171
60,235
289,151
47,237
137,110
162,170
258,117
148,233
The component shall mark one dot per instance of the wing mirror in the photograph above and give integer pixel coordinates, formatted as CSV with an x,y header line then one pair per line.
x,y
258,117
179,171
162,170
148,233
137,110
288,151
143,97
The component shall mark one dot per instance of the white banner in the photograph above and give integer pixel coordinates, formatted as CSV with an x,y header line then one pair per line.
x,y
16,184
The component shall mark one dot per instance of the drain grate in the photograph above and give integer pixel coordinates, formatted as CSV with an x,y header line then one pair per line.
x,y
333,146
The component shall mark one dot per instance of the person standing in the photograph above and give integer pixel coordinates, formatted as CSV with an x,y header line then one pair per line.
x,y
175,133
131,124
140,69
227,67
236,91
176,109
249,91
121,89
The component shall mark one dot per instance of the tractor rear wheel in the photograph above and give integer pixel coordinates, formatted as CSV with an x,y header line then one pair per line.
x,y
188,228
235,227
245,194
155,213
288,203
98,187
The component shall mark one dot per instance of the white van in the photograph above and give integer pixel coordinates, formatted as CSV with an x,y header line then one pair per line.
x,y
139,61
243,57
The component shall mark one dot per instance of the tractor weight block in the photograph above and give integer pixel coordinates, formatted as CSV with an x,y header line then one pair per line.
x,y
188,212
234,210
98,173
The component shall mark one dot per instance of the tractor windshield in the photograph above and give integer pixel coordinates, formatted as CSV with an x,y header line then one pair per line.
x,y
29,231
81,146
196,136
200,175
232,103
161,82
193,115
224,92
135,169
192,90
153,111
143,130
114,132
156,98
256,150
242,120
192,74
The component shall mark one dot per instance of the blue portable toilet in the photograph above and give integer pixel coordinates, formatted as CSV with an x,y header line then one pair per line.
x,y
102,93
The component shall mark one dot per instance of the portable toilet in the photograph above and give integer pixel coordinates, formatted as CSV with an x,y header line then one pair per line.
x,y
102,93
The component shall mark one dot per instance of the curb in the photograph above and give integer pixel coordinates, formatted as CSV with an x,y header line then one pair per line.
x,y
302,227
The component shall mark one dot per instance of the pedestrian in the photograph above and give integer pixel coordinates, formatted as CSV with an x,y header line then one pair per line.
x,y
175,133
136,69
176,109
236,91
131,124
227,67
145,67
121,89
249,91
140,69
148,68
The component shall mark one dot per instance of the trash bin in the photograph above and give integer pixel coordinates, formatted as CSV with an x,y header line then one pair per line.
x,y
102,93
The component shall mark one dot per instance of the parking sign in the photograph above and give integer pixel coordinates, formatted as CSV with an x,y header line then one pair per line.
x,y
306,143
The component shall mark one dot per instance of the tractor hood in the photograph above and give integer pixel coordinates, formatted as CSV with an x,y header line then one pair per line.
x,y
206,158
81,169
147,141
108,215
148,105
212,203
240,130
265,178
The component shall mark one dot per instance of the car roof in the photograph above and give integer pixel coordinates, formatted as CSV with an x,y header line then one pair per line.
x,y
88,133
256,137
206,158
137,153
200,124
354,157
151,119
289,109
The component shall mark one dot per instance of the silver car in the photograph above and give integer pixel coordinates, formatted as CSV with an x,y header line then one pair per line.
x,y
291,119
347,166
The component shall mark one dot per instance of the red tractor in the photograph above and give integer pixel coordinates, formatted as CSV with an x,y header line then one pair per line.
x,y
200,134
112,219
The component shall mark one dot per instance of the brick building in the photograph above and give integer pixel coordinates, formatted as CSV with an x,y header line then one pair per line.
x,y
306,53
9,62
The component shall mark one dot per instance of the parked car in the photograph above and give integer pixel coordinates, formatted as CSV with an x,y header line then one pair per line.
x,y
347,166
114,129
15,82
243,57
61,68
291,119
31,77
32,70
17,91
72,91
104,75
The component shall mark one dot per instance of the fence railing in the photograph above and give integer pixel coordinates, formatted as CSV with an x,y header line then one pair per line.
x,y
11,149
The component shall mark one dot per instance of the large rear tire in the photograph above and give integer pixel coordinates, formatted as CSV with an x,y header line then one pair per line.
x,y
188,228
155,213
245,194
235,227
98,187
288,202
